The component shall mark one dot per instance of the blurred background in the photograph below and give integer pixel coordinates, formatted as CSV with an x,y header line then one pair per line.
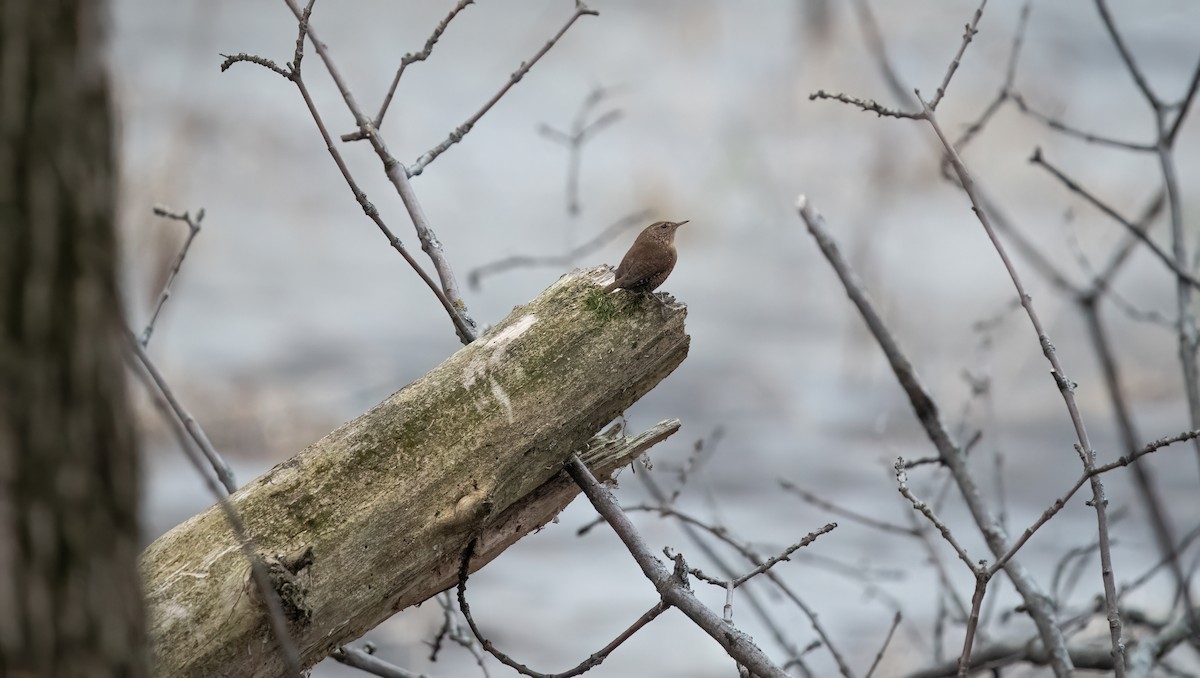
x,y
292,315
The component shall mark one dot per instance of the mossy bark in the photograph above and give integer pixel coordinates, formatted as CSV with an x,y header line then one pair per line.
x,y
388,501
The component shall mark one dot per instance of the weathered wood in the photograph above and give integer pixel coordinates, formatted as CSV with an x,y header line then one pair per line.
x,y
388,501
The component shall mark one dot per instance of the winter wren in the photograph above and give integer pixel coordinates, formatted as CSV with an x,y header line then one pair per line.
x,y
649,260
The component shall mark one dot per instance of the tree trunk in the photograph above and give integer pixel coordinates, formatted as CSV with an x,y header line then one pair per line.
x,y
383,507
70,600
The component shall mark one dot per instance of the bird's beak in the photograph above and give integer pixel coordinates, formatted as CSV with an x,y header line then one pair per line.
x,y
680,223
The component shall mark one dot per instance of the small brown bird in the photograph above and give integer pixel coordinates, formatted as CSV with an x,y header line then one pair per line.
x,y
649,260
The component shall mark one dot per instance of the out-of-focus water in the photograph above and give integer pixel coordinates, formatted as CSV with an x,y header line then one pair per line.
x,y
293,315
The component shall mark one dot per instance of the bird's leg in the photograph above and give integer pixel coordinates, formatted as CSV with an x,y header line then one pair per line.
x,y
661,299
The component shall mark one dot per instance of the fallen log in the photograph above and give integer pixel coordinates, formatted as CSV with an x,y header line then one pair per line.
x,y
374,517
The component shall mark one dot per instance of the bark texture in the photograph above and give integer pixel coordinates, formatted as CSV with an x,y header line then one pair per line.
x,y
70,601
385,504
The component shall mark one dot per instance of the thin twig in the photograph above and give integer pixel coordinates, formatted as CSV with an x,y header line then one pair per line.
x,y
189,423
849,514
193,225
242,57
1059,503
1127,56
875,45
868,105
1184,106
770,562
1143,479
1065,386
969,32
1060,126
364,660
1078,556
1120,255
453,630
964,658
1143,657
185,435
446,295
413,57
394,170
1038,159
927,511
583,667
582,131
610,233
456,136
1089,298
926,411
702,446
1187,332
736,643
301,31
1176,551
692,530
883,648
753,557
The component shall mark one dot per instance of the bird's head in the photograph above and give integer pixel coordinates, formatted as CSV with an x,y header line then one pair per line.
x,y
664,230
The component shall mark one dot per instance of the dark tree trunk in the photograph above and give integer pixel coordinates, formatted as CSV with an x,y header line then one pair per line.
x,y
70,601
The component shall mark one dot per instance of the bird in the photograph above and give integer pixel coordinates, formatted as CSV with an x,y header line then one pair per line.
x,y
649,260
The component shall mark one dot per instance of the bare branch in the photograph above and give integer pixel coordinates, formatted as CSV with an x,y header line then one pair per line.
x,y
447,294
193,225
737,644
242,57
849,514
453,630
1121,254
875,45
413,57
1143,480
586,665
1059,503
456,136
301,30
189,423
610,233
883,648
185,434
1188,336
1059,126
927,511
785,555
365,660
927,413
1184,106
693,530
1066,388
751,555
1127,57
1147,449
868,105
1143,654
581,132
1139,233
968,34
766,565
